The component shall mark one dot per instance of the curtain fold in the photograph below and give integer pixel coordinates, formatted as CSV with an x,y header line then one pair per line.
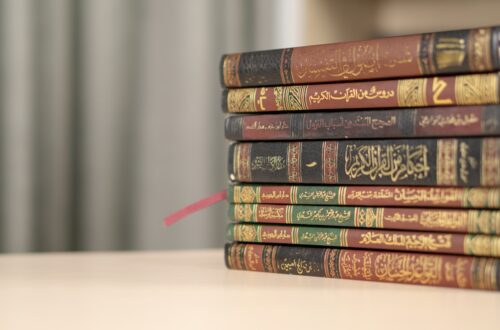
x,y
110,119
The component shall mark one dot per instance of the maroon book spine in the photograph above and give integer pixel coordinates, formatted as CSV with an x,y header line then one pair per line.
x,y
368,265
370,239
393,123
461,51
474,89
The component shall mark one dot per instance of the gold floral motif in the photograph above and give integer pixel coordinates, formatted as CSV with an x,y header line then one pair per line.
x,y
412,92
368,217
246,233
477,89
244,212
241,100
290,98
246,194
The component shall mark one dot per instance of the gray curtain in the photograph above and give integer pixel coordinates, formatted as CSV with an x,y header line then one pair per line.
x,y
110,119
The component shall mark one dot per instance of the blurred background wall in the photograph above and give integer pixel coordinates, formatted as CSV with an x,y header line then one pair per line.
x,y
109,109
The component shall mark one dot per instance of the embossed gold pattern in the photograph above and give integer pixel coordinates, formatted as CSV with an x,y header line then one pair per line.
x,y
480,50
241,100
290,98
446,162
477,89
490,162
412,92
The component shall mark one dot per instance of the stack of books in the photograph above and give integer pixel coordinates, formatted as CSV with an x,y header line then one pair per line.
x,y
373,160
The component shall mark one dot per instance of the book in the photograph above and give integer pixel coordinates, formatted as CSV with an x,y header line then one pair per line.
x,y
424,162
370,239
369,265
474,89
403,218
461,51
390,123
479,198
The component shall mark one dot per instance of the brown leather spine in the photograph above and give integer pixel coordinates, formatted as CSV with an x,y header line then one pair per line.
x,y
475,89
449,52
379,266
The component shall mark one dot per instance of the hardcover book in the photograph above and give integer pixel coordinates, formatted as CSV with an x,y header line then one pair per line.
x,y
391,123
370,239
368,265
424,162
478,198
474,89
403,218
461,51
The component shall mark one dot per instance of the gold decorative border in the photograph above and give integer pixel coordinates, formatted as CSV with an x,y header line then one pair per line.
x,y
329,159
490,162
230,70
294,155
484,273
446,167
242,159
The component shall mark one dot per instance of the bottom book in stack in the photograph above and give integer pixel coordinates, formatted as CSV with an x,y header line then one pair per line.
x,y
309,230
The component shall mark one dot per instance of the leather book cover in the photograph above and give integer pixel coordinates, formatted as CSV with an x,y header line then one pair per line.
x,y
368,265
390,123
402,218
467,162
370,239
475,89
461,51
448,197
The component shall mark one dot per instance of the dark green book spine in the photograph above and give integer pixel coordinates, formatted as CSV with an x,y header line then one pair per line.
x,y
403,218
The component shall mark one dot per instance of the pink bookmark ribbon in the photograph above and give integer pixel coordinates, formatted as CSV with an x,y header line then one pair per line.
x,y
195,207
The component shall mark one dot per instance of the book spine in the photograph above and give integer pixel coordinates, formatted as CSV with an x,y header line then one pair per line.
x,y
431,162
380,266
478,198
462,51
438,220
476,89
394,123
477,245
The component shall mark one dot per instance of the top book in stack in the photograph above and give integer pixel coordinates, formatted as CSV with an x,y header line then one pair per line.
x,y
439,53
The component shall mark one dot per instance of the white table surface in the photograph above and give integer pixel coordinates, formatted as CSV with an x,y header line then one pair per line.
x,y
194,290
